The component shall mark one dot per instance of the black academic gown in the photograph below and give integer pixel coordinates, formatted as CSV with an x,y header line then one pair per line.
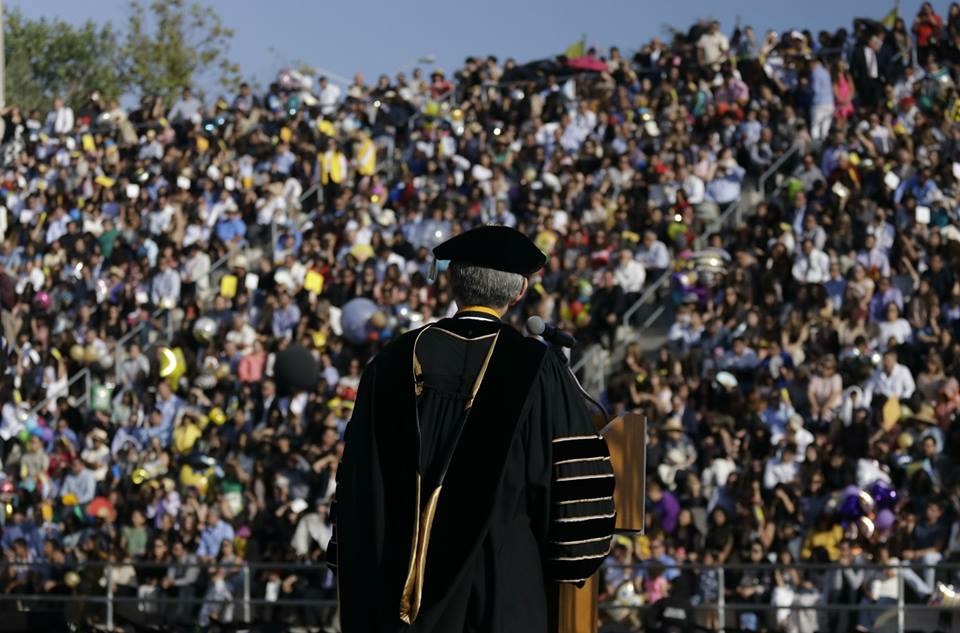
x,y
525,485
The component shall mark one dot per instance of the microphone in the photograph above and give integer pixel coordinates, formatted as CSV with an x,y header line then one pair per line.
x,y
550,333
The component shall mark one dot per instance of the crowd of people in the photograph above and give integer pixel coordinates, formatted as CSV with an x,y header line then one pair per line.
x,y
802,408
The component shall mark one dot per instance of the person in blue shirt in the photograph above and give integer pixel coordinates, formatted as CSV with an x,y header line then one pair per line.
x,y
214,534
232,228
821,104
20,527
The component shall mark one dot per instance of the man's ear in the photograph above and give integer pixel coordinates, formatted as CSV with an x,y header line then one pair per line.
x,y
523,291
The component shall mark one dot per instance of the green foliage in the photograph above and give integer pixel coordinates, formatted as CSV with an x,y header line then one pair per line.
x,y
170,43
46,58
166,45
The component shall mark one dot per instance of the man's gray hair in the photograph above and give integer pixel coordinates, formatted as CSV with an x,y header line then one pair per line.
x,y
478,286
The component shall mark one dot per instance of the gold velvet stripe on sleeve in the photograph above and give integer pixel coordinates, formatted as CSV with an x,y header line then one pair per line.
x,y
582,509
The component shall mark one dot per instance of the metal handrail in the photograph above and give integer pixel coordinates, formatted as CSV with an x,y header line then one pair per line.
x,y
83,374
734,209
775,167
244,597
647,295
731,209
312,189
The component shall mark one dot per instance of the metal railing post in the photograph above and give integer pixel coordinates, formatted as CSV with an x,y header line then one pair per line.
x,y
273,239
117,360
901,610
86,386
246,592
721,599
108,574
601,371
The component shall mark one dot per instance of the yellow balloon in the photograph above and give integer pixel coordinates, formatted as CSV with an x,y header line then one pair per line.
x,y
217,416
189,477
172,365
71,579
91,354
168,362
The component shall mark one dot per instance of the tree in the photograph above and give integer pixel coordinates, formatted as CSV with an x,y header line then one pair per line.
x,y
172,43
46,58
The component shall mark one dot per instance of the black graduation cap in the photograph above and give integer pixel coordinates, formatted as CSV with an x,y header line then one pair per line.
x,y
496,247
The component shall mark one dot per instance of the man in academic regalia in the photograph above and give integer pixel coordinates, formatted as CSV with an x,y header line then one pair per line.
x,y
473,473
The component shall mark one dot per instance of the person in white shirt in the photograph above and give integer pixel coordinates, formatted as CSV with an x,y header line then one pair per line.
x,y
891,380
160,217
165,287
329,97
882,589
583,121
713,46
894,328
196,270
782,470
187,108
60,119
812,266
629,274
653,254
57,225
691,185
813,231
883,232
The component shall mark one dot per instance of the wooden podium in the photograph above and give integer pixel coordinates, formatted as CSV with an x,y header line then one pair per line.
x,y
575,610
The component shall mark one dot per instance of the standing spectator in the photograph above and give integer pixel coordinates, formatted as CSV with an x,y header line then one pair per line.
x,y
606,306
186,110
329,96
333,173
630,276
867,72
928,27
181,579
60,118
713,46
822,104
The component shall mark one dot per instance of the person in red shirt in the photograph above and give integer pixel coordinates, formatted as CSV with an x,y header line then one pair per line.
x,y
928,27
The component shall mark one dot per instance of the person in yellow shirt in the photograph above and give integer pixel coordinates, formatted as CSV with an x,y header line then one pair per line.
x,y
825,535
365,156
333,172
186,433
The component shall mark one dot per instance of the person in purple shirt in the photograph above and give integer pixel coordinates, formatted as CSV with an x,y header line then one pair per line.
x,y
663,505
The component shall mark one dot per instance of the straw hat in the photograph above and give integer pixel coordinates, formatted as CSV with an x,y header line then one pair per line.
x,y
926,415
673,424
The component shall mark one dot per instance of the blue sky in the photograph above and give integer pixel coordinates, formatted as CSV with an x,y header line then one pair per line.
x,y
384,36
